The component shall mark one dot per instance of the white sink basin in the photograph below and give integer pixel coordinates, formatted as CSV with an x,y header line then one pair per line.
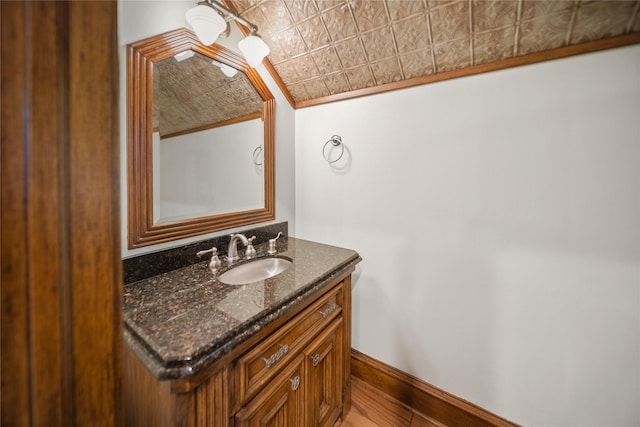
x,y
254,271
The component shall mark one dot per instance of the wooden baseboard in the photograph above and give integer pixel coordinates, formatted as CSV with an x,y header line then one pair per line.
x,y
420,396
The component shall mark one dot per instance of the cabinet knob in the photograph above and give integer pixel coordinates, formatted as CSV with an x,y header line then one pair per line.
x,y
315,359
295,382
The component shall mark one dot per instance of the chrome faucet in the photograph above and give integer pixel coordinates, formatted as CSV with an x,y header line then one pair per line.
x,y
232,252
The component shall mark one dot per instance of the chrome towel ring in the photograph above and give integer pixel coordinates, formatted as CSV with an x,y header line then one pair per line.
x,y
256,156
335,141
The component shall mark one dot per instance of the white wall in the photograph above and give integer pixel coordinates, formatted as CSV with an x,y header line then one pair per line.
x,y
499,221
141,19
209,172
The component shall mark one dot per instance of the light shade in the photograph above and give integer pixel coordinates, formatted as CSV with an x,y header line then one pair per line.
x,y
228,71
254,49
206,23
184,55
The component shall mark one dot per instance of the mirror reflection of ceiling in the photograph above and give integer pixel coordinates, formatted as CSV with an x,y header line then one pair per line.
x,y
327,47
194,94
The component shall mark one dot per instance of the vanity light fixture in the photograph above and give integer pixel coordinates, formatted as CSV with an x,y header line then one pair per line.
x,y
206,22
254,49
184,55
226,70
210,20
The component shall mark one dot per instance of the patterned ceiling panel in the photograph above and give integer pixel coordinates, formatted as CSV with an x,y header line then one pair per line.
x,y
183,104
328,47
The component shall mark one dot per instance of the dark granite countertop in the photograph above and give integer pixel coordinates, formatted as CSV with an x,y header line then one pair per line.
x,y
180,322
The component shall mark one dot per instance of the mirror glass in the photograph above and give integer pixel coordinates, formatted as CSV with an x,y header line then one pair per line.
x,y
200,140
207,129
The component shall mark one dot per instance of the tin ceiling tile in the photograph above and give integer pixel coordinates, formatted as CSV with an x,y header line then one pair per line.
x,y
327,61
323,5
317,88
278,16
369,14
285,44
301,9
256,17
330,46
401,9
313,33
600,19
492,14
379,44
282,44
298,92
452,55
350,53
433,4
339,23
386,71
412,33
532,9
360,77
287,72
417,64
270,17
450,22
493,45
545,33
305,67
337,83
244,5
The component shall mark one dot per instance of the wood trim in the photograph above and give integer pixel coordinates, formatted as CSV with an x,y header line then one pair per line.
x,y
94,213
142,231
216,390
276,77
420,396
148,401
15,268
517,61
250,116
346,314
61,274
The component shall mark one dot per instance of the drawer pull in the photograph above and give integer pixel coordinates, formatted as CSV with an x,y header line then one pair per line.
x,y
269,361
295,382
330,309
315,359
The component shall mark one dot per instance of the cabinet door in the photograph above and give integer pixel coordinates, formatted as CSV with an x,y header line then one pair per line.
x,y
324,376
280,403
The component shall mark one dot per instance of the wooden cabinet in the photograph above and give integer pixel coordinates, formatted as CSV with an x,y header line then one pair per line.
x,y
295,372
324,377
280,403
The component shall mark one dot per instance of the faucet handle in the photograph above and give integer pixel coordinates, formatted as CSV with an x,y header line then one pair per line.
x,y
272,245
251,251
215,262
208,251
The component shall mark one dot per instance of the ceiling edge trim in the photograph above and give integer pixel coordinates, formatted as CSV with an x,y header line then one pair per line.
x,y
276,77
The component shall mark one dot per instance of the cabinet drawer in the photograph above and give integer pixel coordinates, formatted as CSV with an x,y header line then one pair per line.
x,y
280,403
259,365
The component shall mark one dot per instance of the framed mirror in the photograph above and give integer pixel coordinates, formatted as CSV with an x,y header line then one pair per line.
x,y
201,149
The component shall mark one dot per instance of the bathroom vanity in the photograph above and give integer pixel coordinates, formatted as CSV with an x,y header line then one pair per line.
x,y
275,352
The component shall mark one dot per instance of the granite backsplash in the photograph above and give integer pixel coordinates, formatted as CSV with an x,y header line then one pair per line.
x,y
152,264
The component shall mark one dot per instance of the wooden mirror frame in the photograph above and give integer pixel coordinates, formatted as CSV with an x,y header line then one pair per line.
x,y
142,231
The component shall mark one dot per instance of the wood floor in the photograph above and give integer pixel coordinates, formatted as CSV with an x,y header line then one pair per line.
x,y
372,408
